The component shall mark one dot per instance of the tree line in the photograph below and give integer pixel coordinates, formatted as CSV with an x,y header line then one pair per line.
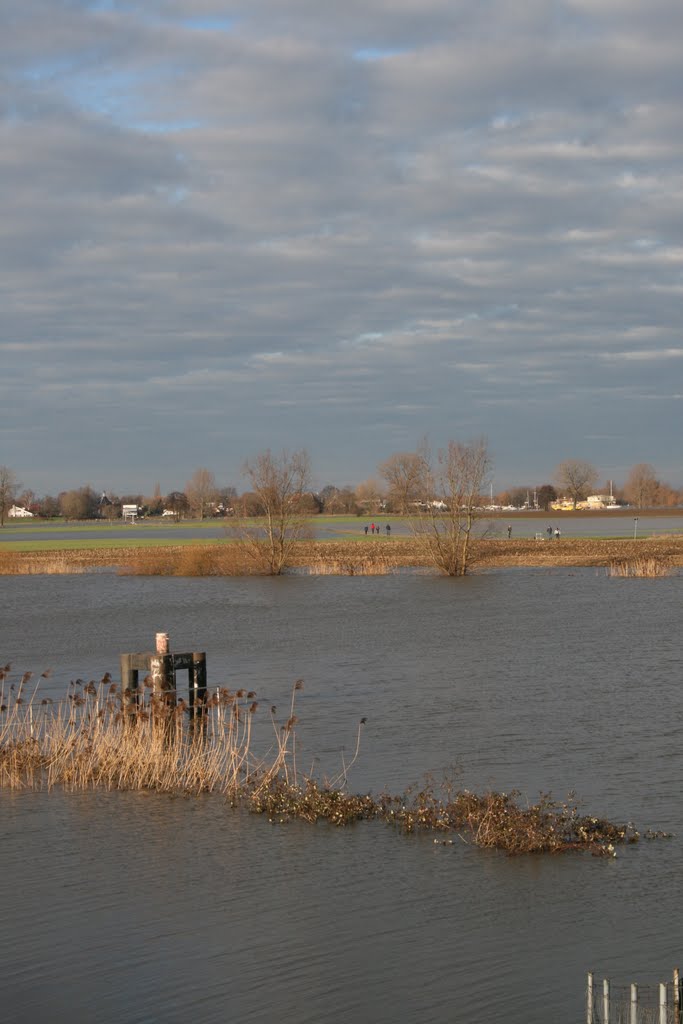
x,y
403,484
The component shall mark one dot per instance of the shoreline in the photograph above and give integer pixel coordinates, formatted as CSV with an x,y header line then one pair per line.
x,y
347,557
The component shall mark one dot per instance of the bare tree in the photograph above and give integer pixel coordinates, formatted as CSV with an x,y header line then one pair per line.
x,y
369,495
405,475
201,490
642,486
177,503
444,527
79,504
280,485
576,478
8,488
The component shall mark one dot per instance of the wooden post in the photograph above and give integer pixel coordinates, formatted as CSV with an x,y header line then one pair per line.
x,y
589,999
129,682
677,996
197,680
162,673
662,1003
634,1005
605,1001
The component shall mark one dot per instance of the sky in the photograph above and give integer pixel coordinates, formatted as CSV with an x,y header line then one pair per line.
x,y
345,227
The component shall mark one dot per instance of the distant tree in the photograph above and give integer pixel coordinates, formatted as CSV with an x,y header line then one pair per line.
x,y
279,488
9,485
642,486
110,506
576,478
339,501
202,491
27,499
227,496
155,503
311,503
405,476
545,495
82,503
445,530
48,507
248,505
369,495
518,496
328,496
177,503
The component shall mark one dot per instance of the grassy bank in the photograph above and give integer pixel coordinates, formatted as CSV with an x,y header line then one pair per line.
x,y
347,557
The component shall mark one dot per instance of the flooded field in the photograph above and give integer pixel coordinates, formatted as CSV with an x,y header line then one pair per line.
x,y
143,908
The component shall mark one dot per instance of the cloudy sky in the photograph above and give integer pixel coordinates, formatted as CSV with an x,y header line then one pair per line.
x,y
228,226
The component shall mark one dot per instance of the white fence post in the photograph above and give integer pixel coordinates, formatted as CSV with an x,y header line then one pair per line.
x,y
662,1003
605,1001
677,996
589,999
634,1004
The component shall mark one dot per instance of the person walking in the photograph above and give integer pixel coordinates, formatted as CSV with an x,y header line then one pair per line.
x,y
366,529
509,532
549,531
388,529
557,533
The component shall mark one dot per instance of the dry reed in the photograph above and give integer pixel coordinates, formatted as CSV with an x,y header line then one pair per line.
x,y
366,558
98,737
649,568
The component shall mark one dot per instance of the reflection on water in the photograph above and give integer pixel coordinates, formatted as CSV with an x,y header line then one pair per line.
x,y
129,907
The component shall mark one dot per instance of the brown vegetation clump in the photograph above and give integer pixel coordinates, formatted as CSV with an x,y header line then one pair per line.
x,y
499,821
650,568
99,737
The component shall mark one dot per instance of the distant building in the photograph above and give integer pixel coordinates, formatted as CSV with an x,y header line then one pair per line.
x,y
18,512
597,501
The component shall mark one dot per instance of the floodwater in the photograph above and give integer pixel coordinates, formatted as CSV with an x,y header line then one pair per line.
x,y
122,907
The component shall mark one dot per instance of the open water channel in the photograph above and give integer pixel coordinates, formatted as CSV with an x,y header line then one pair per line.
x,y
123,908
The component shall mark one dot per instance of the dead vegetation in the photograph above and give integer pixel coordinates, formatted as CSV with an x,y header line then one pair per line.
x,y
347,557
98,737
642,568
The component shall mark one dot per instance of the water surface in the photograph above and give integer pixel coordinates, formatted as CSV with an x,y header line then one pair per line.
x,y
129,907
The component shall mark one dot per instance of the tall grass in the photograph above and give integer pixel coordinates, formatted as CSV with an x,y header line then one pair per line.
x,y
641,568
347,557
98,737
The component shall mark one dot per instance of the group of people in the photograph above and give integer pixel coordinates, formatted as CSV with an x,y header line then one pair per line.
x,y
377,529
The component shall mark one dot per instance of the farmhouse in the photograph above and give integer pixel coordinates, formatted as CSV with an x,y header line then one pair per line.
x,y
17,512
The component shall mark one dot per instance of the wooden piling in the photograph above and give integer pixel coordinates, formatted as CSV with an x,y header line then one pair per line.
x,y
162,666
605,1001
662,1003
677,996
634,1005
589,999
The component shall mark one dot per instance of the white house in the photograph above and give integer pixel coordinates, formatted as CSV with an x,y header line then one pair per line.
x,y
17,512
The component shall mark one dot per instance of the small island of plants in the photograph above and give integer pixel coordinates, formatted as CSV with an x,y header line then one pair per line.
x,y
99,737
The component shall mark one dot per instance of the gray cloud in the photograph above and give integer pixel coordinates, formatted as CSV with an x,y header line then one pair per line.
x,y
232,225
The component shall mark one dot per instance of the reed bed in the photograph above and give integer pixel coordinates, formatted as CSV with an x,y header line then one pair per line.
x,y
99,737
650,568
346,557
